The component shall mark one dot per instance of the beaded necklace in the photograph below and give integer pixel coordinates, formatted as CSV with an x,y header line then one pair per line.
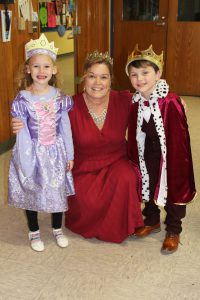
x,y
98,120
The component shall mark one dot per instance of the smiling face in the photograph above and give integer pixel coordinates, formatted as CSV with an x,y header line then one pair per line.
x,y
97,81
144,79
41,68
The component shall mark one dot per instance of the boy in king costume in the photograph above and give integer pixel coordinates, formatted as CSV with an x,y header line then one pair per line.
x,y
158,140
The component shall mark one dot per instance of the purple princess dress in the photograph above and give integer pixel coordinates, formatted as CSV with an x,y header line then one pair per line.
x,y
38,179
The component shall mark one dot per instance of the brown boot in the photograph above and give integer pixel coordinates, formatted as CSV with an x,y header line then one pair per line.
x,y
146,230
170,243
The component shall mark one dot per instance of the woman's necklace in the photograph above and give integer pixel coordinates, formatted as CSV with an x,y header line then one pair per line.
x,y
98,119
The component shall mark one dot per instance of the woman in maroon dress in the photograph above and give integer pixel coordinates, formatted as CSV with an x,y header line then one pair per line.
x,y
106,204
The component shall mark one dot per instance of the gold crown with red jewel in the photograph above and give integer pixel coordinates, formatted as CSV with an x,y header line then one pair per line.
x,y
148,55
40,46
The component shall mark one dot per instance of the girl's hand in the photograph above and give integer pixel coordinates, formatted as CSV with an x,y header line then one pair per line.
x,y
70,165
16,125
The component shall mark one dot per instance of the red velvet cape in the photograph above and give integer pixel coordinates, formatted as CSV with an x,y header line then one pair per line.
x,y
180,175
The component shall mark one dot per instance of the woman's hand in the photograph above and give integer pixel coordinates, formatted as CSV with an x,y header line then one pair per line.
x,y
16,125
184,104
70,165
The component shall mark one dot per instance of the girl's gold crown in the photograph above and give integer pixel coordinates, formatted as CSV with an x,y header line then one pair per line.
x,y
147,54
40,46
99,55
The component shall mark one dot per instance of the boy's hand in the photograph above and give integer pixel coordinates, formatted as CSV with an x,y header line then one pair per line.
x,y
70,165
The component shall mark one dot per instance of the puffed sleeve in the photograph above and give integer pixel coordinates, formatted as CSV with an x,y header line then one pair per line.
x,y
65,126
24,151
18,108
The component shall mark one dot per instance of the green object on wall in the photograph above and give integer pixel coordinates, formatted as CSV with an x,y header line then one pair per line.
x,y
43,16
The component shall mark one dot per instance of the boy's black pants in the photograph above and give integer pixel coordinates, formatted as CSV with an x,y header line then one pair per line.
x,y
173,218
152,155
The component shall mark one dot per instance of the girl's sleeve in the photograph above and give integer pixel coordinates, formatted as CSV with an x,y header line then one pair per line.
x,y
65,127
24,145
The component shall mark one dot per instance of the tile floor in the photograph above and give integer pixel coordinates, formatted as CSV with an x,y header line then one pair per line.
x,y
94,270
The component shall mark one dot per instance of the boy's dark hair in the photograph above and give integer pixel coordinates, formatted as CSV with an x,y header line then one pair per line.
x,y
142,64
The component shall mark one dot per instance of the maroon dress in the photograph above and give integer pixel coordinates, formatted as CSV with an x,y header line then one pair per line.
x,y
106,204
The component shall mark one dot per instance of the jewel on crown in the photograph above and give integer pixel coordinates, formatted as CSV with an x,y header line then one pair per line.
x,y
99,55
40,46
147,54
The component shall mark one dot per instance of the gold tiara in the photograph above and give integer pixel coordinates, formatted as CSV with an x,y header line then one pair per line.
x,y
40,46
147,54
99,55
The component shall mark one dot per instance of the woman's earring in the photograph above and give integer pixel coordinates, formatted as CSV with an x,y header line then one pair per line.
x,y
84,89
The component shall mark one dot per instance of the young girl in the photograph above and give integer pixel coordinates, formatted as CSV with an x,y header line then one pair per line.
x,y
40,176
158,139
